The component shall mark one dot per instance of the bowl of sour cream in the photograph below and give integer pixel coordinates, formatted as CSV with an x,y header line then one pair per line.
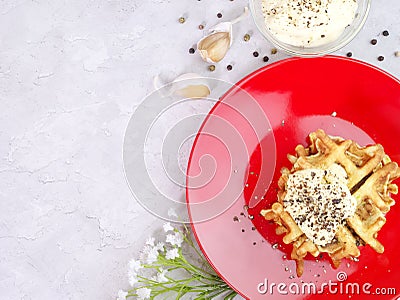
x,y
309,27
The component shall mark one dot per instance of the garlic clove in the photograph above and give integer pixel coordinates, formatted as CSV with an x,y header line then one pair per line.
x,y
189,85
214,47
194,91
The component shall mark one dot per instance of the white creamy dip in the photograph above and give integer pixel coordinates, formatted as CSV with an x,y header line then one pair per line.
x,y
308,23
319,201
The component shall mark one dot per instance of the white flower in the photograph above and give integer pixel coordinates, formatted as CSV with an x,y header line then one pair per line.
x,y
178,238
167,227
160,246
172,212
143,293
122,295
175,239
150,241
152,255
135,265
146,249
161,276
172,254
145,252
132,277
170,239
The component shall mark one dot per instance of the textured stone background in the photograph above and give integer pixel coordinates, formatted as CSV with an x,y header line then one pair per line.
x,y
71,75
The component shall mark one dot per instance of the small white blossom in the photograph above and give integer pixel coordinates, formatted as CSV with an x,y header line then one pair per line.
x,y
170,239
172,212
161,276
122,295
152,256
135,265
132,278
143,293
145,252
150,241
160,246
172,254
146,249
178,239
175,239
167,227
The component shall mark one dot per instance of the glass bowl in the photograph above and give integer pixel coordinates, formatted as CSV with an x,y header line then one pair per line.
x,y
348,34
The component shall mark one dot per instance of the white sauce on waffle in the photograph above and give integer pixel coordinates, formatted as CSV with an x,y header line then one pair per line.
x,y
308,23
319,201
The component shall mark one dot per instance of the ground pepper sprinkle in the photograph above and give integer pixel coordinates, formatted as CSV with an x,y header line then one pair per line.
x,y
319,201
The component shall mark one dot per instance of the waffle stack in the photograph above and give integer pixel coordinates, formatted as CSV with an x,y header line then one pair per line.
x,y
370,173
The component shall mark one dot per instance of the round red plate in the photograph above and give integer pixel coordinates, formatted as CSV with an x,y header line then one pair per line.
x,y
241,147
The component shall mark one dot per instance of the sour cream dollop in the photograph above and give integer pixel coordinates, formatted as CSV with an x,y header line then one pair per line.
x,y
308,23
319,201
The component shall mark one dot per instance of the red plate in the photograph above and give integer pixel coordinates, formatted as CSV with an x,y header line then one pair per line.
x,y
249,132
